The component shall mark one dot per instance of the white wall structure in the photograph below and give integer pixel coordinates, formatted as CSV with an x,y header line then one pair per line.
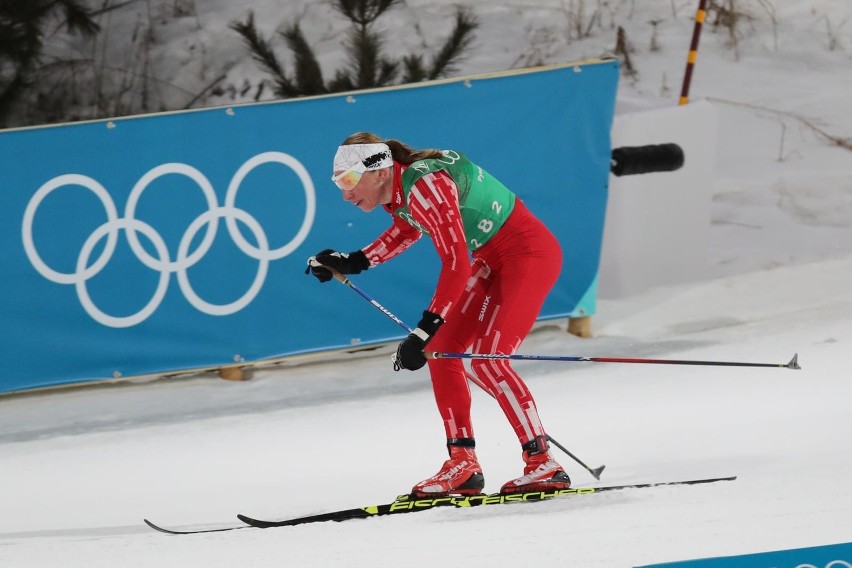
x,y
657,225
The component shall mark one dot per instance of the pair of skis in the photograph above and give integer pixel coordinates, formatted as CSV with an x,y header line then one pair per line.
x,y
406,504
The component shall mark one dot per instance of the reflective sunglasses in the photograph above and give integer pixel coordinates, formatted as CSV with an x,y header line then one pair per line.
x,y
347,180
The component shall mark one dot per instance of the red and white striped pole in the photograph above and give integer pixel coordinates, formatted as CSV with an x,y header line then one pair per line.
x,y
693,51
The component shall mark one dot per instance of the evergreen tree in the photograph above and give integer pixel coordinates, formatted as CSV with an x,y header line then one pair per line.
x,y
22,30
367,67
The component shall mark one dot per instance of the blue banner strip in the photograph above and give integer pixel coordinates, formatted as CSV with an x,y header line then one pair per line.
x,y
177,241
830,556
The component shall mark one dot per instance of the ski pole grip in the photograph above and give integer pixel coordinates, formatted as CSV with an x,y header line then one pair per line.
x,y
337,276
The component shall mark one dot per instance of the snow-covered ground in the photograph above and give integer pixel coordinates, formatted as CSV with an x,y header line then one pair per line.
x,y
81,468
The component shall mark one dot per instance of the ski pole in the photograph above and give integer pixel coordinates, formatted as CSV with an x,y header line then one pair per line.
x,y
595,472
793,364
344,280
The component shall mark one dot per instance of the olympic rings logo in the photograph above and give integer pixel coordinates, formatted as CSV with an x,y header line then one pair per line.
x,y
185,258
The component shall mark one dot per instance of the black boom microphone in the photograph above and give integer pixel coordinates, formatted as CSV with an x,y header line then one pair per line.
x,y
630,160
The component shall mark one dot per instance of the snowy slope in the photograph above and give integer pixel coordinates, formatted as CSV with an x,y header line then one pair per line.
x,y
78,500
81,468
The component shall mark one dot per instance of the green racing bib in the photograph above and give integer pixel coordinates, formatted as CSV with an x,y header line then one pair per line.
x,y
485,202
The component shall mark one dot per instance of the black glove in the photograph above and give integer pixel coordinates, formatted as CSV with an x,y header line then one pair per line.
x,y
351,263
409,354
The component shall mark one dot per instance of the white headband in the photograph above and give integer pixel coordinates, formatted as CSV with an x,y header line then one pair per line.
x,y
351,154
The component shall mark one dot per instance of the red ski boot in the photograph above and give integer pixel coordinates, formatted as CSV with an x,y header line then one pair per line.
x,y
460,475
541,472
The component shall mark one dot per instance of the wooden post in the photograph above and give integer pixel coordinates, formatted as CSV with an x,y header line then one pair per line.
x,y
231,373
581,327
693,51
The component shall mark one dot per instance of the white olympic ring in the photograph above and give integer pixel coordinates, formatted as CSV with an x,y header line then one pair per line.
x,y
184,259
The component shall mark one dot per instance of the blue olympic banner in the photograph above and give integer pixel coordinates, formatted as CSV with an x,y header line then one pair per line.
x,y
178,241
829,556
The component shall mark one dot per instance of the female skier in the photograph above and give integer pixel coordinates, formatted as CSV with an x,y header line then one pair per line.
x,y
488,303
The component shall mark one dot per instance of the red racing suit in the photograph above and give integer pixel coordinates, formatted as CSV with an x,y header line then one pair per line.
x,y
489,303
